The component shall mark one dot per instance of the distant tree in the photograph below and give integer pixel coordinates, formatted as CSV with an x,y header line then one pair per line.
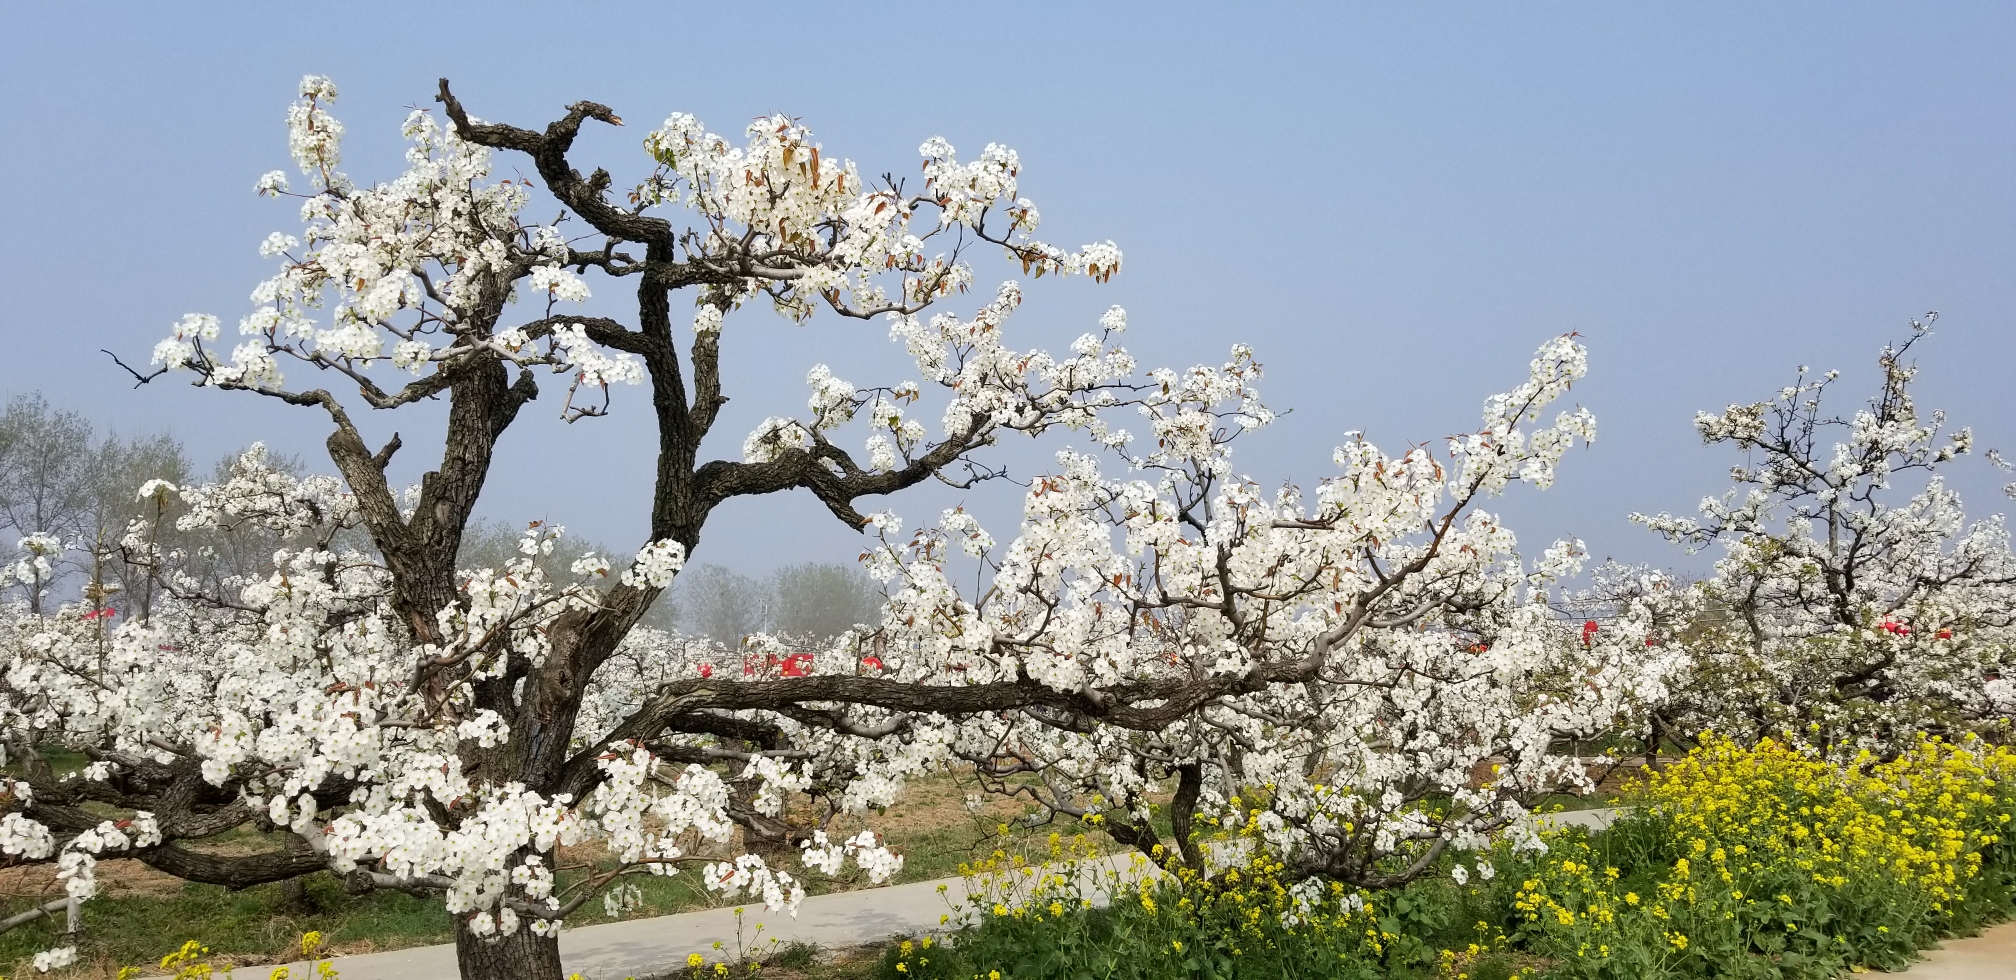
x,y
821,601
117,469
44,488
73,493
721,604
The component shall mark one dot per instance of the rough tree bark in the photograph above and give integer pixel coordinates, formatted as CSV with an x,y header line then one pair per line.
x,y
519,955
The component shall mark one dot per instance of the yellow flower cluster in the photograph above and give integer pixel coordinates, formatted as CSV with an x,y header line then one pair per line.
x,y
1010,885
1248,902
1772,850
921,950
1921,819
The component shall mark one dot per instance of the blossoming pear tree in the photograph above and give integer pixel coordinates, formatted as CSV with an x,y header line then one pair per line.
x,y
1854,605
1360,678
1367,675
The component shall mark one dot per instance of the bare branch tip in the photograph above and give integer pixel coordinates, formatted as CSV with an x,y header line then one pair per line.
x,y
138,378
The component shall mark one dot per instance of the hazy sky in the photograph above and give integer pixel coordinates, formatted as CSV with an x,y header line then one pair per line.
x,y
1394,205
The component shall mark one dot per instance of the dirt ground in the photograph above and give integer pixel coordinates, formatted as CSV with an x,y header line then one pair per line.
x,y
119,877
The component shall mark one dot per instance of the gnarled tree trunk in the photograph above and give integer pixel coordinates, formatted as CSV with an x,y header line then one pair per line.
x,y
519,956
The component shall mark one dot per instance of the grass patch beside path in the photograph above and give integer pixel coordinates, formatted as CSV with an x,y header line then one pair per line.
x,y
250,926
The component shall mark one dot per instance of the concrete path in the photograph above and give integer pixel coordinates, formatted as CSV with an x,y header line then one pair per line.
x,y
644,947
1988,956
1598,818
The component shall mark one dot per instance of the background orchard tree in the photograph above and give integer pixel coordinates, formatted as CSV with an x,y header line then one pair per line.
x,y
808,602
1365,673
66,496
139,698
45,488
820,600
1855,605
721,605
1674,613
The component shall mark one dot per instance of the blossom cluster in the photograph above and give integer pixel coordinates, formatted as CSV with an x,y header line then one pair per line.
x,y
298,699
1352,654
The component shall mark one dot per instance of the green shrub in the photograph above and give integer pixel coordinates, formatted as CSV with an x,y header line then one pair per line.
x,y
1083,918
1769,862
1764,862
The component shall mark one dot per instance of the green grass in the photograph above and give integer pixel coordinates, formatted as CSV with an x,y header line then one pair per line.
x,y
254,924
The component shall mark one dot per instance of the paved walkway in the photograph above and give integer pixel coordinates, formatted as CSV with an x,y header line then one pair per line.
x,y
1596,818
644,947
1989,956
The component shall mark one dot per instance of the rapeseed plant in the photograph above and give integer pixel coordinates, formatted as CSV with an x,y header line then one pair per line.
x,y
1768,861
1775,855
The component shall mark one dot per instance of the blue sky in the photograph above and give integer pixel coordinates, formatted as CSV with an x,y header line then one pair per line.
x,y
1394,205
